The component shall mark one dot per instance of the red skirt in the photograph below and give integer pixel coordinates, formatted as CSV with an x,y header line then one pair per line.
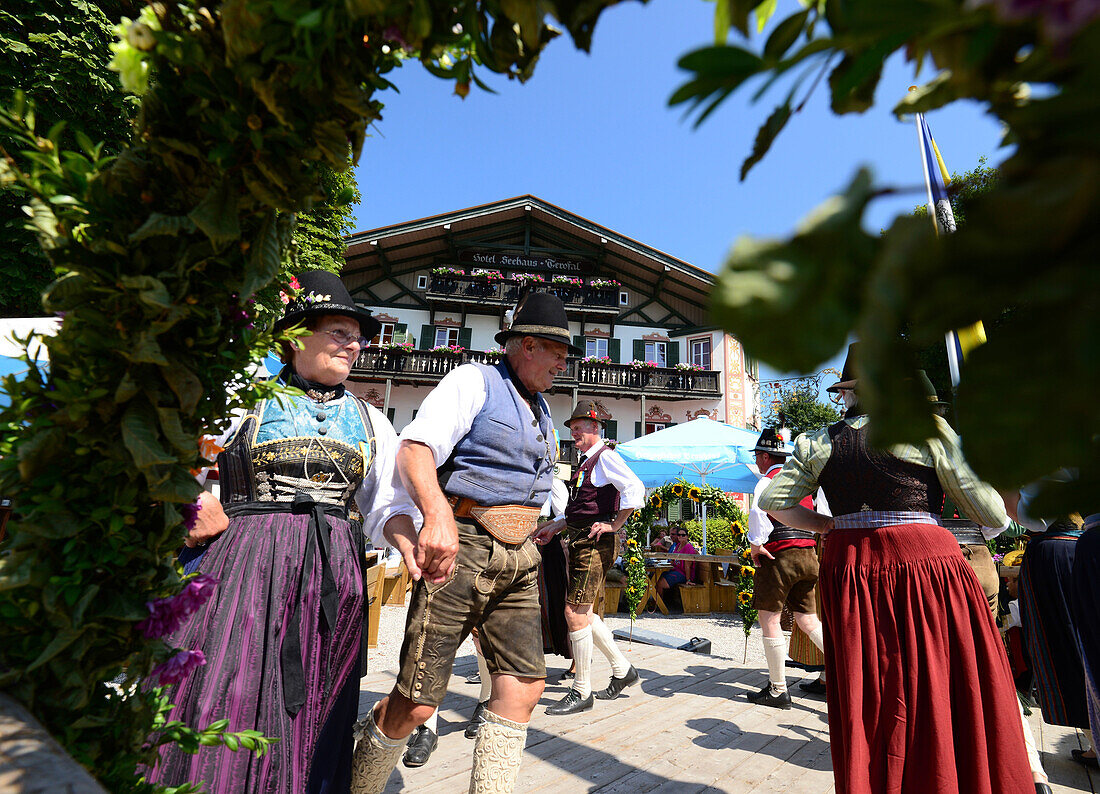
x,y
921,697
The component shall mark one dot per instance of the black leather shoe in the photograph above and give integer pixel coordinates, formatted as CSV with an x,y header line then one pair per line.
x,y
1086,760
815,687
475,721
765,698
419,749
1043,788
572,703
568,675
617,685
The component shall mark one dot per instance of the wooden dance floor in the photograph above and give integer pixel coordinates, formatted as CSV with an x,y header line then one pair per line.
x,y
686,729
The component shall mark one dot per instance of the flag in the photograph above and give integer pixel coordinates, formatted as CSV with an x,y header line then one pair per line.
x,y
936,180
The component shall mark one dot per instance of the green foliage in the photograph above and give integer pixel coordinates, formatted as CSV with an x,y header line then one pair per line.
x,y
55,51
965,188
800,403
1028,243
719,534
159,252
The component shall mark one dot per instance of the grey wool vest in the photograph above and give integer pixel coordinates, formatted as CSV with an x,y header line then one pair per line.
x,y
508,457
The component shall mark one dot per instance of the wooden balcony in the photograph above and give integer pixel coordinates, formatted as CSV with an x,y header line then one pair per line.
x,y
479,290
612,380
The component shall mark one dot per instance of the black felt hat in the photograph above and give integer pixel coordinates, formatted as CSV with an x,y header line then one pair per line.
x,y
586,409
929,389
771,443
324,293
848,375
542,315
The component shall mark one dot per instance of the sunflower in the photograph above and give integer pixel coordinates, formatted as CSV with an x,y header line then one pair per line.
x,y
736,528
655,500
677,490
747,570
745,597
746,554
694,493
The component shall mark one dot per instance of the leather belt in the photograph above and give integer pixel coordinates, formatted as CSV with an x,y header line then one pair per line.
x,y
790,533
507,523
966,533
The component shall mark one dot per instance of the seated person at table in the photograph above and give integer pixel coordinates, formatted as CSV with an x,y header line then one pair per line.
x,y
682,570
663,541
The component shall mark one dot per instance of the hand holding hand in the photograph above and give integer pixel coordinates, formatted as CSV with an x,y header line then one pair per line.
x,y
600,528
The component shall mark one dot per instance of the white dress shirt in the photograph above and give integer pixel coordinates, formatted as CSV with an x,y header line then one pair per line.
x,y
760,526
611,468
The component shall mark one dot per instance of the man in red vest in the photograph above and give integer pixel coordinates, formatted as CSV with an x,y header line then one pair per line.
x,y
786,572
602,494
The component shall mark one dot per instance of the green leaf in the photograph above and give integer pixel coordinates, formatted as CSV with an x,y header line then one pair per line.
x,y
185,384
216,215
145,350
140,436
151,291
784,36
159,224
723,60
765,136
332,140
264,257
175,485
61,640
173,430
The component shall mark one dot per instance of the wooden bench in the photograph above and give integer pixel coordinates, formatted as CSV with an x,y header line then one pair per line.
x,y
723,597
376,580
611,594
395,586
695,598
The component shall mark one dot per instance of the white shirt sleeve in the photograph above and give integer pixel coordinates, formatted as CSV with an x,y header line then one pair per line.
x,y
760,526
448,412
611,468
381,496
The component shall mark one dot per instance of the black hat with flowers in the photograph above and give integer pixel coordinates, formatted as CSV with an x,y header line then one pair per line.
x,y
771,443
324,293
540,314
585,409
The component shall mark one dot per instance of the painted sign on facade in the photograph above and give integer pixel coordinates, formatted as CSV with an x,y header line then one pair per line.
x,y
500,259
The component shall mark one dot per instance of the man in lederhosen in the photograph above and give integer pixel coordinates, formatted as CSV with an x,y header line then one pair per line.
x,y
786,573
478,461
602,495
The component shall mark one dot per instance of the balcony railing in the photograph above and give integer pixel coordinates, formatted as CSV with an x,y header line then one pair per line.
x,y
587,377
480,290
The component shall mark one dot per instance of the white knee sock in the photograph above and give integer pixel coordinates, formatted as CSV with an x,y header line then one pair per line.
x,y
581,641
775,651
1029,744
817,638
432,723
605,641
486,679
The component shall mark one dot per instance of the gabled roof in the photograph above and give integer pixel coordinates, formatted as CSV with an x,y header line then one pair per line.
x,y
528,225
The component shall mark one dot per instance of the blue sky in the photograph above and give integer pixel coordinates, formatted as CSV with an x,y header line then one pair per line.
x,y
594,134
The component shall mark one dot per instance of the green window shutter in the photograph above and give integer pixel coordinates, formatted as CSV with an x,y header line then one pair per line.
x,y
390,413
674,512
637,430
578,341
427,337
465,335
639,350
614,351
673,352
611,430
400,328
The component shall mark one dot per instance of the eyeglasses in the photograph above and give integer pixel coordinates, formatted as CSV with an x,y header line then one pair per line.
x,y
681,534
343,338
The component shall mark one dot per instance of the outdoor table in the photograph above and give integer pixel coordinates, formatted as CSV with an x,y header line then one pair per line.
x,y
653,573
708,563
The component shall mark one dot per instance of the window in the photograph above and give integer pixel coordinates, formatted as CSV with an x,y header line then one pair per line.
x,y
624,299
384,336
657,353
700,352
653,427
594,346
446,336
421,282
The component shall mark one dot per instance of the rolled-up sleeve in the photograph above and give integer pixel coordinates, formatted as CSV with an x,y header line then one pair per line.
x,y
448,412
760,528
977,500
798,477
381,496
626,482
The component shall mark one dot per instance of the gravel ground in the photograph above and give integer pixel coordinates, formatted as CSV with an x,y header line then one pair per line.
x,y
723,630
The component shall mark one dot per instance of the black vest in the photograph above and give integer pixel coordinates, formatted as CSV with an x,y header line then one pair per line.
x,y
587,503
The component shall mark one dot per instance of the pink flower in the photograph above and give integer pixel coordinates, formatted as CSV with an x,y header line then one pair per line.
x,y
178,667
294,283
284,297
166,615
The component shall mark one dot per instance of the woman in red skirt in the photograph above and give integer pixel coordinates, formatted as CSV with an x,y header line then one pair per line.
x,y
921,697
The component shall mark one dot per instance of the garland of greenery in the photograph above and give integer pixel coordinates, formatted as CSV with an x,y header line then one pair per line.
x,y
720,506
159,252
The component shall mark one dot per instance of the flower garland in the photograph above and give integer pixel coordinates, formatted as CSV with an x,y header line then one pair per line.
x,y
454,350
448,271
572,281
719,506
602,283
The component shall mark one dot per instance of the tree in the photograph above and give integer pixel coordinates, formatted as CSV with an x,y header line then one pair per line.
x,y
1028,243
56,52
799,403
